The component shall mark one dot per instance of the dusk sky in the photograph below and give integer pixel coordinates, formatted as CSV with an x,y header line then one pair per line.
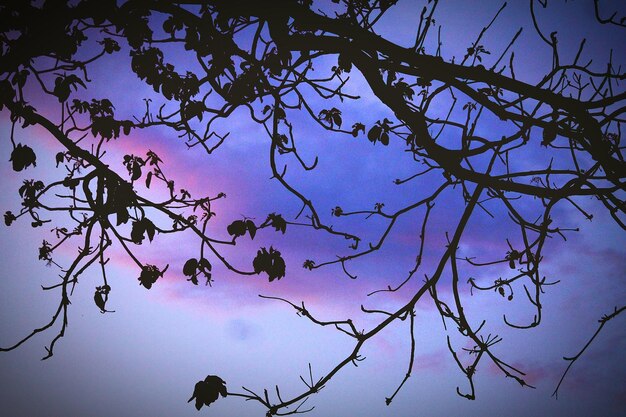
x,y
145,358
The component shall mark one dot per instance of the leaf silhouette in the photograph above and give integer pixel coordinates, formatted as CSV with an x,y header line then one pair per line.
x,y
9,218
137,232
149,227
380,132
190,267
208,391
150,274
22,157
251,228
205,267
97,297
63,85
270,262
356,128
277,222
101,296
236,228
59,158
141,227
374,133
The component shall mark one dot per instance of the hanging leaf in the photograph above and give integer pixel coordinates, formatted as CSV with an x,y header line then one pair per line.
x,y
101,296
150,274
59,158
270,262
63,85
380,132
332,117
236,228
356,128
137,231
9,218
149,227
208,391
205,267
136,172
262,261
190,267
277,222
251,228
99,300
140,227
22,157
374,133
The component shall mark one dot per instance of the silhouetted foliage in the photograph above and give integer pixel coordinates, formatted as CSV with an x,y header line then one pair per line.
x,y
208,391
270,58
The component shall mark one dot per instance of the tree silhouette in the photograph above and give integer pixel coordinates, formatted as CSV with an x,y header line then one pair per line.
x,y
553,143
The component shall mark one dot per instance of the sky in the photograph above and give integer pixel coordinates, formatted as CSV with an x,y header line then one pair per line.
x,y
144,358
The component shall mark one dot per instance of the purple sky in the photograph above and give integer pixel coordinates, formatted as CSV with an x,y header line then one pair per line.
x,y
145,358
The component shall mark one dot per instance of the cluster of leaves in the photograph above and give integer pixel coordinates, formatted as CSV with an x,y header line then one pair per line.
x,y
277,222
133,165
477,51
356,128
50,32
499,285
120,197
28,191
150,274
208,391
239,228
45,251
9,218
22,157
148,64
332,117
513,256
380,132
270,262
102,117
153,161
63,85
141,228
193,267
246,86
